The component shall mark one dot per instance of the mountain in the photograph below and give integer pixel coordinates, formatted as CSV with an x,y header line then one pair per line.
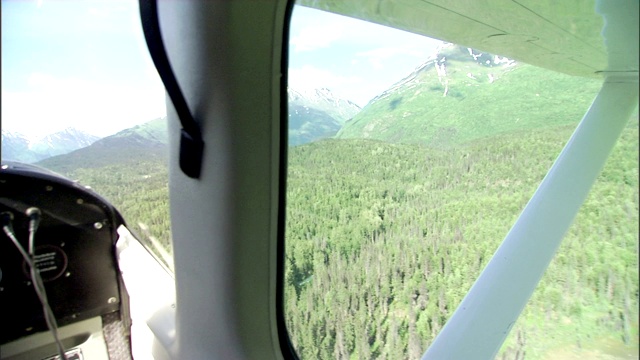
x,y
154,131
17,147
324,100
141,143
461,94
317,114
313,115
63,142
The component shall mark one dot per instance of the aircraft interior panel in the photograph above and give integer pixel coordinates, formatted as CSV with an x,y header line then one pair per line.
x,y
73,250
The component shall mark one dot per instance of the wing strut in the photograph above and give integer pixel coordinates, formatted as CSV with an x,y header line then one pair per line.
x,y
485,316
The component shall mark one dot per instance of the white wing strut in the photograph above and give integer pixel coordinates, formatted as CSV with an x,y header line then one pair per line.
x,y
481,323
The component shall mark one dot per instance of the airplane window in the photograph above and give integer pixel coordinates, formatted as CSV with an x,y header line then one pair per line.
x,y
80,96
409,159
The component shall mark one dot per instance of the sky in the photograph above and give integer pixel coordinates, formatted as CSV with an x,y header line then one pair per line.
x,y
84,64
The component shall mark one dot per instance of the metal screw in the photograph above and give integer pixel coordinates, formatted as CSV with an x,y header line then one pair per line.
x,y
67,274
97,225
79,201
112,300
48,188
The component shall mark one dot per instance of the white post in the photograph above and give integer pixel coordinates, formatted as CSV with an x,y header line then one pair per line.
x,y
481,323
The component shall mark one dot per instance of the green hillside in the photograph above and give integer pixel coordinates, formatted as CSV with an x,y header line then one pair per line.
x,y
128,148
308,125
481,100
154,130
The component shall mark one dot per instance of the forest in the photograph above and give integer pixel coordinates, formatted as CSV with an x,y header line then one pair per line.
x,y
383,241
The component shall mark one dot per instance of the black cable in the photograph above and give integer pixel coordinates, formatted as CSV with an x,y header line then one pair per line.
x,y
191,144
33,213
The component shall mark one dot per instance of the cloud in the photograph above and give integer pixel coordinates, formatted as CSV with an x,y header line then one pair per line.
x,y
378,56
316,37
388,52
52,104
350,87
310,77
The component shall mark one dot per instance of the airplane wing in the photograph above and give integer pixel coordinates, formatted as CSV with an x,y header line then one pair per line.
x,y
563,36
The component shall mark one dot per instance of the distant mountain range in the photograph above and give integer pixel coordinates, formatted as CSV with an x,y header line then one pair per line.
x,y
146,142
460,94
456,96
313,115
317,114
18,147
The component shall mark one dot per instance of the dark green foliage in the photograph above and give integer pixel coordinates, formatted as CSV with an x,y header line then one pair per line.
x,y
383,241
140,191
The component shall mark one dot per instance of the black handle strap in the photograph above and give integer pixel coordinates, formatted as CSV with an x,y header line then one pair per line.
x,y
191,144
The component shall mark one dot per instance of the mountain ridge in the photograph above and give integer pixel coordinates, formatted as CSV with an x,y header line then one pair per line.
x,y
316,114
460,94
133,145
18,147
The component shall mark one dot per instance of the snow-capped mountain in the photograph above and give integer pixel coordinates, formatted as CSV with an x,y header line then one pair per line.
x,y
444,56
324,100
461,94
15,146
317,114
18,147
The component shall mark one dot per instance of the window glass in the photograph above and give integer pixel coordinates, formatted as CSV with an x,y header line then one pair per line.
x,y
80,96
409,161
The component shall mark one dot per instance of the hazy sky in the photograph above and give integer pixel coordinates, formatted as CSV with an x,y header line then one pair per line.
x,y
84,64
355,59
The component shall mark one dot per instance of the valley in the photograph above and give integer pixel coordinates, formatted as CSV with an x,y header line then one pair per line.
x,y
406,200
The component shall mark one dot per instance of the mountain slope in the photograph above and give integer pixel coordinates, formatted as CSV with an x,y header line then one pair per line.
x,y
460,95
142,143
313,115
326,101
308,124
316,114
